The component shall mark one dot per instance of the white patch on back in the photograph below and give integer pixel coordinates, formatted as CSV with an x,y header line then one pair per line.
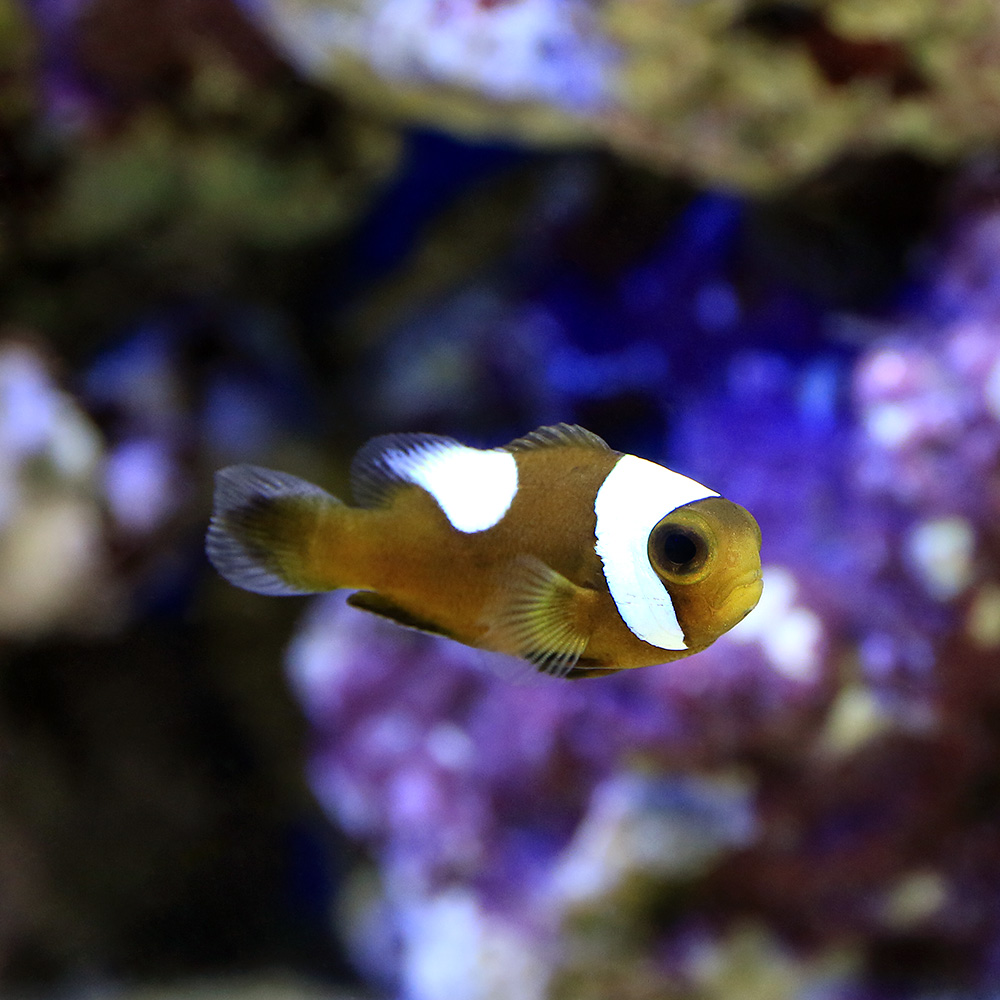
x,y
635,496
474,488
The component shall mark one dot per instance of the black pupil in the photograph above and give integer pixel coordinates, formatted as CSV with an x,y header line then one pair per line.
x,y
679,548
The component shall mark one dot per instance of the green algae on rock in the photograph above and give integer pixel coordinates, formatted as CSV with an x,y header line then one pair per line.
x,y
131,172
737,93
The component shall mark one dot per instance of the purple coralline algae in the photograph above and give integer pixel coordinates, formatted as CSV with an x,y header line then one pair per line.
x,y
494,808
807,805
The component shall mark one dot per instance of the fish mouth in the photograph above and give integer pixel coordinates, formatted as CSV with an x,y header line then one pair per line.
x,y
742,597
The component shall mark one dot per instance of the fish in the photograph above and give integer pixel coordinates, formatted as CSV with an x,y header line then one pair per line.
x,y
555,548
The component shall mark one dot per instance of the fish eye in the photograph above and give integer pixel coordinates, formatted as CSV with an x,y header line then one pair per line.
x,y
677,550
678,547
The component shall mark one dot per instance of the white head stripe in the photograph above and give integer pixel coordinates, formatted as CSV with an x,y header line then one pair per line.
x,y
635,496
474,488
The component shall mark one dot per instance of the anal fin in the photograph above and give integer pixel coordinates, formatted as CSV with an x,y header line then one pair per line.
x,y
368,600
539,615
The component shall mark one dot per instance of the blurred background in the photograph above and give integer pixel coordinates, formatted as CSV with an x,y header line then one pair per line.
x,y
756,240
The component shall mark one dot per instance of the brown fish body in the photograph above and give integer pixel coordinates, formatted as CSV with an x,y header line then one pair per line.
x,y
409,554
532,578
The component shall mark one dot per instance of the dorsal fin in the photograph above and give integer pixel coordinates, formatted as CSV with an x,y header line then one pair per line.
x,y
374,474
558,436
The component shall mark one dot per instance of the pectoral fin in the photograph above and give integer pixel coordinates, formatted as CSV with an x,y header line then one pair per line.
x,y
539,615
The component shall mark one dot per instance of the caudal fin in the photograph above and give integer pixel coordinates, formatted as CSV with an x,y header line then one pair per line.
x,y
264,528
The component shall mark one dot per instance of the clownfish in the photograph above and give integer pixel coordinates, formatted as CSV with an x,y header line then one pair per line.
x,y
554,548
